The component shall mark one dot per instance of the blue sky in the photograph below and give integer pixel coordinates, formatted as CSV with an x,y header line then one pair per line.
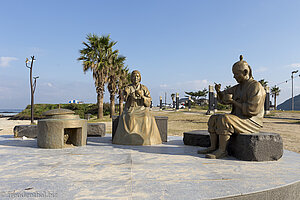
x,y
177,45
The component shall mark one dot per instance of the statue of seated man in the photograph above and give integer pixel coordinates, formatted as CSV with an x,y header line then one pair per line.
x,y
136,124
247,99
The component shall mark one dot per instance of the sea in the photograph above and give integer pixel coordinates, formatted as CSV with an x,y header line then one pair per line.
x,y
9,112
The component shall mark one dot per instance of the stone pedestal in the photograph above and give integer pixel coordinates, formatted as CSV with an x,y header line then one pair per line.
x,y
249,147
161,121
162,125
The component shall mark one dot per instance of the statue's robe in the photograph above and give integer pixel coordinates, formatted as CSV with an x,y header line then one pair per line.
x,y
249,118
136,124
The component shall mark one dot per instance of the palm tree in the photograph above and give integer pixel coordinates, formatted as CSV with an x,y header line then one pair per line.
x,y
96,57
113,78
263,83
124,79
227,87
275,92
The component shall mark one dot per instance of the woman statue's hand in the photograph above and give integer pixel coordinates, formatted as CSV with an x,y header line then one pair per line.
x,y
139,94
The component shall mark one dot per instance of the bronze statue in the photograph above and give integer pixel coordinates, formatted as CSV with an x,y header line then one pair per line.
x,y
136,124
247,99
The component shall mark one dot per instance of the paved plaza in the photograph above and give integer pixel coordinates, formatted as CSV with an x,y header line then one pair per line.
x,y
102,170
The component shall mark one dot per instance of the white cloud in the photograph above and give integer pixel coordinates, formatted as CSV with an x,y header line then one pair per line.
x,y
186,85
293,65
50,84
261,69
4,61
193,85
163,85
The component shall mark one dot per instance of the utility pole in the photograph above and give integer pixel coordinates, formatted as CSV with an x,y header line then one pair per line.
x,y
293,72
166,99
32,86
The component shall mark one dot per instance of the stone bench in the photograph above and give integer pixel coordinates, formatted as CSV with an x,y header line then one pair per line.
x,y
161,121
249,147
31,131
96,129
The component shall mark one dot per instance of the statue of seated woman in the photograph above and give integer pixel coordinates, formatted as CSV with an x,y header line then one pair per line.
x,y
136,124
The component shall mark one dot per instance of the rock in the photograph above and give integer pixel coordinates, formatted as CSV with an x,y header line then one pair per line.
x,y
248,147
30,131
96,129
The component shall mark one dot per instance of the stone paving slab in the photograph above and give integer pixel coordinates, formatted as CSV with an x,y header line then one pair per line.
x,y
102,170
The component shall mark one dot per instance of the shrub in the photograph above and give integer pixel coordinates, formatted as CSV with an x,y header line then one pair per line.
x,y
79,109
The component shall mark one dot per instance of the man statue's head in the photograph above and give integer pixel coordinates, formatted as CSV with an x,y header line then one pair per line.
x,y
241,71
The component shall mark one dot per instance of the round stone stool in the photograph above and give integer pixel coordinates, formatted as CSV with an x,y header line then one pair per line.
x,y
60,129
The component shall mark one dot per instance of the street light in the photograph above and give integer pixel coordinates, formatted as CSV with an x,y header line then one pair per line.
x,y
293,72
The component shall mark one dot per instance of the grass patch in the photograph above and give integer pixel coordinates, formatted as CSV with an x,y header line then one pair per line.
x,y
79,109
182,120
106,118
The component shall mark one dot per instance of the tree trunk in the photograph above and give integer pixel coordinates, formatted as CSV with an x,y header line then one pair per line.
x,y
32,94
275,102
121,100
112,105
100,106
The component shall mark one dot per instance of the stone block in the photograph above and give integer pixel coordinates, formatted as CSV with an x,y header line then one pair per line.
x,y
196,138
30,131
248,147
96,129
256,146
161,121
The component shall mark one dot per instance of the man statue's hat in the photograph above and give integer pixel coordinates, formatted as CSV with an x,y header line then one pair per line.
x,y
243,63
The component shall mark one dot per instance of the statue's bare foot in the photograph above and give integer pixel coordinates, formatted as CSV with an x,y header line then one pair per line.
x,y
216,154
208,150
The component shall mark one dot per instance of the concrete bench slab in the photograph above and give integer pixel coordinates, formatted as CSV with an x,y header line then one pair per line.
x,y
249,147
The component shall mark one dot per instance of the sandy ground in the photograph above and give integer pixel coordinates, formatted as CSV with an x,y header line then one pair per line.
x,y
287,124
7,126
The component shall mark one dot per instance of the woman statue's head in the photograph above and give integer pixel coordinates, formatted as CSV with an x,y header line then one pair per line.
x,y
135,76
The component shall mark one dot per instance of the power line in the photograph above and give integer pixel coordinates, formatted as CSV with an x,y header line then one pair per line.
x,y
286,81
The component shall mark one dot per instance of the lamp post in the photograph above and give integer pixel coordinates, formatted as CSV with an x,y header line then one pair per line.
x,y
293,72
160,103
177,102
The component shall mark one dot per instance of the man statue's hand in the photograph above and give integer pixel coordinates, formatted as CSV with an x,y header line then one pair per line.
x,y
228,99
217,87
